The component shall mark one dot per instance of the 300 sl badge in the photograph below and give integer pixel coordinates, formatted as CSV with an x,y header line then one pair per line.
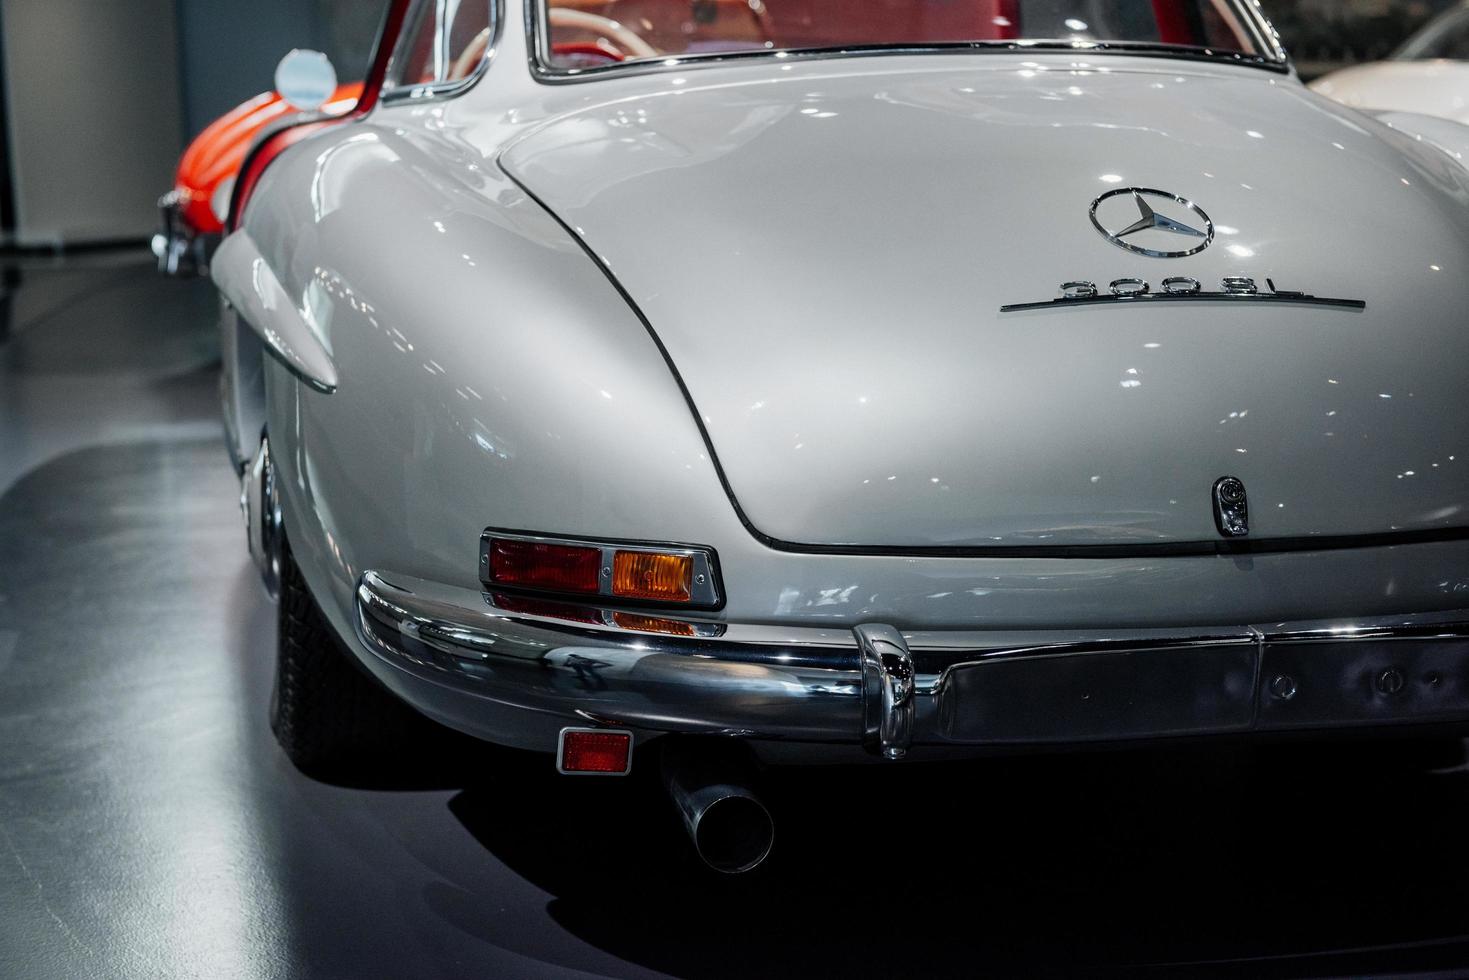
x,y
1082,292
1150,222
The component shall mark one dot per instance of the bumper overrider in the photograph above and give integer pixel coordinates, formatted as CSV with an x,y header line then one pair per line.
x,y
479,661
179,248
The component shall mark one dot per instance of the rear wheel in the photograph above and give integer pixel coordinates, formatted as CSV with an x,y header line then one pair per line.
x,y
331,718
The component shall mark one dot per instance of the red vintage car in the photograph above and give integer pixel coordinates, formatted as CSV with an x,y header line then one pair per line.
x,y
195,210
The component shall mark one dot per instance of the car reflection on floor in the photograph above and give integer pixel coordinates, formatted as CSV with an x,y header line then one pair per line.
x,y
149,825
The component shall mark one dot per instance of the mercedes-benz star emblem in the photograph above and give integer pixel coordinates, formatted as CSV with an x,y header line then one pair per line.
x,y
1152,222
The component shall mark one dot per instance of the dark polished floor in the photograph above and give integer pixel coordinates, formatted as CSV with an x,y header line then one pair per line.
x,y
149,827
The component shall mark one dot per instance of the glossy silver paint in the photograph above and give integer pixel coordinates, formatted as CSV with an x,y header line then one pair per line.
x,y
247,281
543,305
881,264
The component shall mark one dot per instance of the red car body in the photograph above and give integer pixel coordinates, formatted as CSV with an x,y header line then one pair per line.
x,y
195,210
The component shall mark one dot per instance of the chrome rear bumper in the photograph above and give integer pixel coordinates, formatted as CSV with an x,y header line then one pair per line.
x,y
890,691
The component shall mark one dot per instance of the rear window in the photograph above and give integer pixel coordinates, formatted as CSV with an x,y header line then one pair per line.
x,y
604,33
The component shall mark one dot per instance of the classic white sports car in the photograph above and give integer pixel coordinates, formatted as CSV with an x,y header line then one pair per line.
x,y
783,381
1429,74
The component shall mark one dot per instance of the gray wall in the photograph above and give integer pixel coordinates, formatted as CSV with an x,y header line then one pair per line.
x,y
93,115
103,95
230,47
230,50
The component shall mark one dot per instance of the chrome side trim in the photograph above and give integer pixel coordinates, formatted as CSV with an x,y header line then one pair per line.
x,y
250,285
887,690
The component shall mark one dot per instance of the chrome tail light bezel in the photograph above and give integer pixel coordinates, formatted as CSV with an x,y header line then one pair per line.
x,y
705,588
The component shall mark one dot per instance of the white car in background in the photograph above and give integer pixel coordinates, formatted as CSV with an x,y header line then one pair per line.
x,y
1428,75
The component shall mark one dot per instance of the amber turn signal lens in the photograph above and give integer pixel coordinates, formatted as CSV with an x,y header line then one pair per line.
x,y
645,575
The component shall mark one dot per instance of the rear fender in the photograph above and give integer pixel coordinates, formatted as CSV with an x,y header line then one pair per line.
x,y
483,370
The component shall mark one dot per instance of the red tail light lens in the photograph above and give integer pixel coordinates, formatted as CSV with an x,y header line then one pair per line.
x,y
536,565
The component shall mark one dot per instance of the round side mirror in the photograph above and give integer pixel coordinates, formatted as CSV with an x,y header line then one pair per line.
x,y
306,79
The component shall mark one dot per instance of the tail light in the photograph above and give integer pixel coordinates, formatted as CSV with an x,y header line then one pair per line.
x,y
649,573
551,567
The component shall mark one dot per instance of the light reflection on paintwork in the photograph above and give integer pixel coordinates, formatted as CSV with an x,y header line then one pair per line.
x,y
997,497
530,336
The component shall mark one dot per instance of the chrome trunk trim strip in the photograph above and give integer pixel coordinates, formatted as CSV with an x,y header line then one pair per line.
x,y
1104,299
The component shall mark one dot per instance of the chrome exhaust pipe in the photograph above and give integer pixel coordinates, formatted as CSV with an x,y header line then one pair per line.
x,y
731,829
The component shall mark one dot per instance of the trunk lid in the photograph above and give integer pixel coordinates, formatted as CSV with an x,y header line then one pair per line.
x,y
824,253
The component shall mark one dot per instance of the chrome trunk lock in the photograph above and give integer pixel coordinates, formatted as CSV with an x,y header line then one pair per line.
x,y
1231,507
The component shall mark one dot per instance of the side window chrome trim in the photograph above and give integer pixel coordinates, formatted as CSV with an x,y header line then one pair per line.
x,y
399,94
1274,57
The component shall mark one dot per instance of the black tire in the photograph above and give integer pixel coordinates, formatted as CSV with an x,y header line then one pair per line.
x,y
331,718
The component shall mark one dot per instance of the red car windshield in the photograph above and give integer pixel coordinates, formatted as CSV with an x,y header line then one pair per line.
x,y
601,33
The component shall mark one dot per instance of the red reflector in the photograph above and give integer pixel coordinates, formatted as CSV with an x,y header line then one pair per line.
x,y
556,567
593,750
